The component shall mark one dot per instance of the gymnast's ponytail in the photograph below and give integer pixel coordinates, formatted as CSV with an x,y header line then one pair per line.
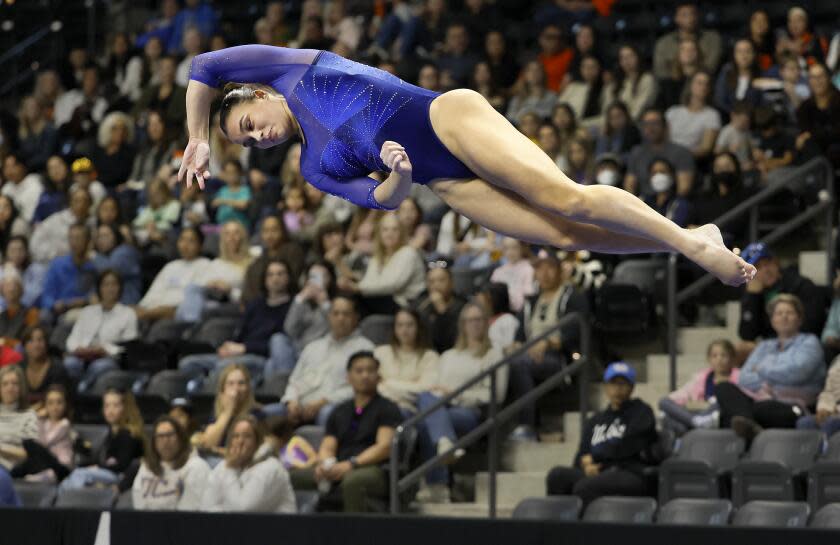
x,y
238,93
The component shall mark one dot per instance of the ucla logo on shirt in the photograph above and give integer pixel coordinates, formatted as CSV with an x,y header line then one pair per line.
x,y
604,432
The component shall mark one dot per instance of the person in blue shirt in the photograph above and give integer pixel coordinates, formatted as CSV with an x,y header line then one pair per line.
x,y
70,278
355,120
196,13
113,253
232,201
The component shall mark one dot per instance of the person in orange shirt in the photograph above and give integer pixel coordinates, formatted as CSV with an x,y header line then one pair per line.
x,y
555,56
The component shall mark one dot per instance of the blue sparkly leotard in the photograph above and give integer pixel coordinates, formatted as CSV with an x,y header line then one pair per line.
x,y
346,111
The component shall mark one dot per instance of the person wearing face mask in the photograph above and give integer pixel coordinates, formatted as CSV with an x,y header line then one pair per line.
x,y
609,169
726,192
665,200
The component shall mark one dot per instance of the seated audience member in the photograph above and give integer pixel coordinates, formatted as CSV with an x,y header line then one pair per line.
x,y
256,338
736,79
656,144
32,274
665,199
394,275
687,20
694,405
234,398
49,458
123,446
516,272
296,212
827,418
419,234
467,243
167,290
84,177
40,368
318,381
261,485
557,296
586,93
614,446
231,202
471,355
70,278
18,423
50,237
181,410
440,307
308,316
11,224
735,137
275,245
503,324
818,117
158,217
98,332
358,440
769,280
780,379
695,124
726,192
773,149
193,207
112,252
8,494
407,365
15,317
294,451
529,93
108,213
831,331
634,87
56,184
170,478
618,134
22,186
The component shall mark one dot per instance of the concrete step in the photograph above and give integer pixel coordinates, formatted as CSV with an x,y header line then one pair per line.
x,y
695,340
528,456
462,510
659,367
511,488
733,316
813,265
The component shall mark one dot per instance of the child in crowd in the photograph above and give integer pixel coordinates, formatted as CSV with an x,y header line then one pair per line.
x,y
516,273
735,136
50,459
295,452
232,201
296,215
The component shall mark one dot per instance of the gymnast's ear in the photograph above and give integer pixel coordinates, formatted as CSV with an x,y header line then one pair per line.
x,y
260,94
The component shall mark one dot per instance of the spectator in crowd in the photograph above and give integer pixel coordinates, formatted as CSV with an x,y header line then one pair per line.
x,y
361,232
586,94
471,355
516,273
735,81
318,382
502,63
123,70
259,335
826,417
32,274
84,177
609,169
193,44
193,207
108,213
330,245
633,86
797,37
695,124
440,307
557,296
181,410
231,201
85,104
342,27
577,161
770,280
170,477
555,56
11,224
49,458
296,211
70,278
773,150
98,332
234,398
831,331
311,35
115,152
275,245
530,94
165,96
358,439
787,93
15,317
455,56
429,78
735,137
586,44
468,243
418,232
40,368
154,222
294,451
167,290
693,405
548,139
687,19
482,81
665,199
761,36
37,135
408,365
196,14
22,186
689,62
262,485
529,125
112,252
17,422
8,495
394,276
656,143
615,445
780,379
619,133
156,151
308,317
726,192
50,240
123,446
503,324
818,117
54,197
152,53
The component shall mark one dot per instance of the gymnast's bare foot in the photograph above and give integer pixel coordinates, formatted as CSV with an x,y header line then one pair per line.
x,y
713,256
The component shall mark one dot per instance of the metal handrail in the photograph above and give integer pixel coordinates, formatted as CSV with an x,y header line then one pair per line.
x,y
825,205
494,418
17,49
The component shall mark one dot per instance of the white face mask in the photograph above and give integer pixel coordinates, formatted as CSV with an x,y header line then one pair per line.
x,y
607,177
661,182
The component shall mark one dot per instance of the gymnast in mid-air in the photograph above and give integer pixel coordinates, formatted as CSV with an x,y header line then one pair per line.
x,y
354,120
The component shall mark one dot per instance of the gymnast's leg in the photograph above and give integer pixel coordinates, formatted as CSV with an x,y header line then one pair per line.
x,y
499,154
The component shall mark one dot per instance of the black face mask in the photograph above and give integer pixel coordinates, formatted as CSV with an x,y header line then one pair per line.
x,y
727,179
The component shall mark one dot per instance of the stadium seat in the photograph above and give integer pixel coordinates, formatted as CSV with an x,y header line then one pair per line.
x,y
824,477
563,508
117,378
91,436
166,330
87,498
649,275
467,282
273,387
622,311
215,331
621,509
695,512
124,501
701,466
168,384
378,328
773,513
313,435
776,466
36,494
827,517
152,406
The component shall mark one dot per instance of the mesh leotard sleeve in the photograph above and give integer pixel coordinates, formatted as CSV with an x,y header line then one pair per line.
x,y
247,64
358,191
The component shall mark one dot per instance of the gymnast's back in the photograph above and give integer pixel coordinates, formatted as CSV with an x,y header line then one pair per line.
x,y
346,111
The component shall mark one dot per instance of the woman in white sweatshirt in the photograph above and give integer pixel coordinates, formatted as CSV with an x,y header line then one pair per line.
x,y
244,482
172,477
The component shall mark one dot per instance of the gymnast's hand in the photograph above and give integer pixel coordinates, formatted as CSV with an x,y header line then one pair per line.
x,y
195,162
395,158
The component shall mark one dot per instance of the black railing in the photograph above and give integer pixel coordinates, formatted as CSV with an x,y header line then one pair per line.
x,y
819,167
490,426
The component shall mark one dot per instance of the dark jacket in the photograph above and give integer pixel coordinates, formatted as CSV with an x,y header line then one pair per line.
x,y
576,301
624,438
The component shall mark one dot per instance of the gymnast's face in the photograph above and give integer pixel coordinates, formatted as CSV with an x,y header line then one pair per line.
x,y
263,122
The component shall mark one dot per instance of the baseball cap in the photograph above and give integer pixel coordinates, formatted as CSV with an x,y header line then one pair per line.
x,y
82,164
755,251
620,369
182,403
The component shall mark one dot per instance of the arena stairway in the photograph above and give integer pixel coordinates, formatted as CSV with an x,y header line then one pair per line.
x,y
525,465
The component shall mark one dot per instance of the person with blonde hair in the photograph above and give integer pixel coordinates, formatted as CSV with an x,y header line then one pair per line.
x,y
17,422
114,154
234,398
